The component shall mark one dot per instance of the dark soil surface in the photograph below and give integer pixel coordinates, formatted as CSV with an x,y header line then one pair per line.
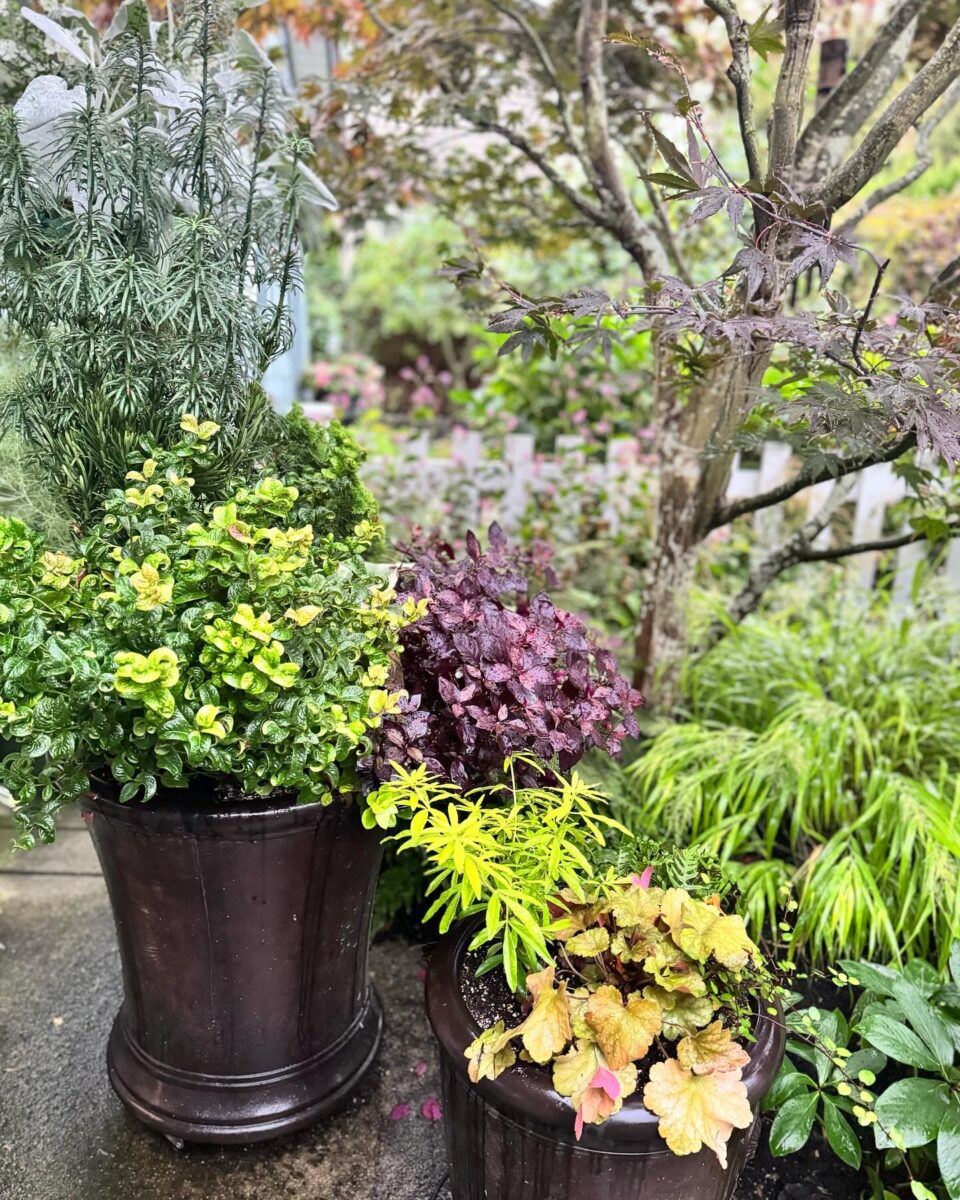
x,y
813,1173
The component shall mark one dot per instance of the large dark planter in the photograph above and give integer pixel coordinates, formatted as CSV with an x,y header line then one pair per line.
x,y
243,932
512,1138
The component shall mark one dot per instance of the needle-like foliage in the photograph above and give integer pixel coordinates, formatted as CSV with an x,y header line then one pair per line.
x,y
149,241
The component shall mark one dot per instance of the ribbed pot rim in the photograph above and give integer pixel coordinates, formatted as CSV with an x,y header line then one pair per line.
x,y
194,811
525,1091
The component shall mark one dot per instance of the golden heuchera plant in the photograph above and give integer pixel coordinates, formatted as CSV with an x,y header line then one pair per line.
x,y
642,976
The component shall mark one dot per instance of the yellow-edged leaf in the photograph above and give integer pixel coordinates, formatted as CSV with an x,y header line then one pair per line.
x,y
637,906
712,1049
573,1071
624,1032
673,971
697,1110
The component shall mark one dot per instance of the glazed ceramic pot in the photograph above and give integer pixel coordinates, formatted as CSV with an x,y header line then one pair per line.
x,y
512,1138
243,931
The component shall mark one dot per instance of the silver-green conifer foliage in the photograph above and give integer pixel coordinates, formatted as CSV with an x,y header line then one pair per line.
x,y
150,196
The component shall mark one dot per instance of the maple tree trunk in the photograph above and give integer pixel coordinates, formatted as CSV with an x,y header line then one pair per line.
x,y
692,483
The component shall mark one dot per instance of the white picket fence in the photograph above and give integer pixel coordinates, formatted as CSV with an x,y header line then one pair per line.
x,y
513,473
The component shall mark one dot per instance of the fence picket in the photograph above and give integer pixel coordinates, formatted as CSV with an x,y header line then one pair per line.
x,y
517,475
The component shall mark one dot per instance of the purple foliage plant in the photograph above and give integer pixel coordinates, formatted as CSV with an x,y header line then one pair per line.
x,y
492,670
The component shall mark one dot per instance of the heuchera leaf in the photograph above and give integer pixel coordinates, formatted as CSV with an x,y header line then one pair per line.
x,y
702,931
590,942
546,1031
681,1013
712,1049
697,1110
491,1053
624,1032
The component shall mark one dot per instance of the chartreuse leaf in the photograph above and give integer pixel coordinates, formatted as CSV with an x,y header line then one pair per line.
x,y
491,1053
546,1031
843,1141
624,1032
791,1126
702,931
697,1110
589,943
914,1108
680,1012
712,1049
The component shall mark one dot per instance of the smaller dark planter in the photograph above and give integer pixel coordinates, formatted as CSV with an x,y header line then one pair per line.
x,y
512,1138
243,932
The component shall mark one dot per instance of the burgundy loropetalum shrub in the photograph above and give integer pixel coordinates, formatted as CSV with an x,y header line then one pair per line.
x,y
492,670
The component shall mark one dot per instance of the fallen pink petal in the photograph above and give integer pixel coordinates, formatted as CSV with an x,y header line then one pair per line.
x,y
399,1111
607,1081
431,1109
420,1069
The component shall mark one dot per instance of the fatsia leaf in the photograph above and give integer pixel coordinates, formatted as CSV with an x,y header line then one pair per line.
x,y
712,1049
697,1110
702,931
491,1053
589,943
546,1031
624,1031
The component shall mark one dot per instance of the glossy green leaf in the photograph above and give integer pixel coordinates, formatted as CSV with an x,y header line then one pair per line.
x,y
843,1141
915,1108
791,1126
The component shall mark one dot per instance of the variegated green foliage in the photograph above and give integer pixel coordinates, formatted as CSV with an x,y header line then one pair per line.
x,y
182,637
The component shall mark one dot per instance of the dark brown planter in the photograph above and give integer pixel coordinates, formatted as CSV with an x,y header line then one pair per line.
x,y
512,1138
243,932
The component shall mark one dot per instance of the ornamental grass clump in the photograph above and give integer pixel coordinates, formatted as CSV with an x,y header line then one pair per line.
x,y
494,670
187,638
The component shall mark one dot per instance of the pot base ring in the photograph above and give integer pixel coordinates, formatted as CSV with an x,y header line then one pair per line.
x,y
241,1109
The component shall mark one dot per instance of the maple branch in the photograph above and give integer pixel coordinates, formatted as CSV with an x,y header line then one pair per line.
x,y
540,161
385,28
620,213
849,105
807,477
800,21
923,91
834,553
543,54
739,75
865,315
923,163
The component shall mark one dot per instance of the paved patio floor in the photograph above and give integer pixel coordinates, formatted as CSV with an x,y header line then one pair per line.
x,y
65,1136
